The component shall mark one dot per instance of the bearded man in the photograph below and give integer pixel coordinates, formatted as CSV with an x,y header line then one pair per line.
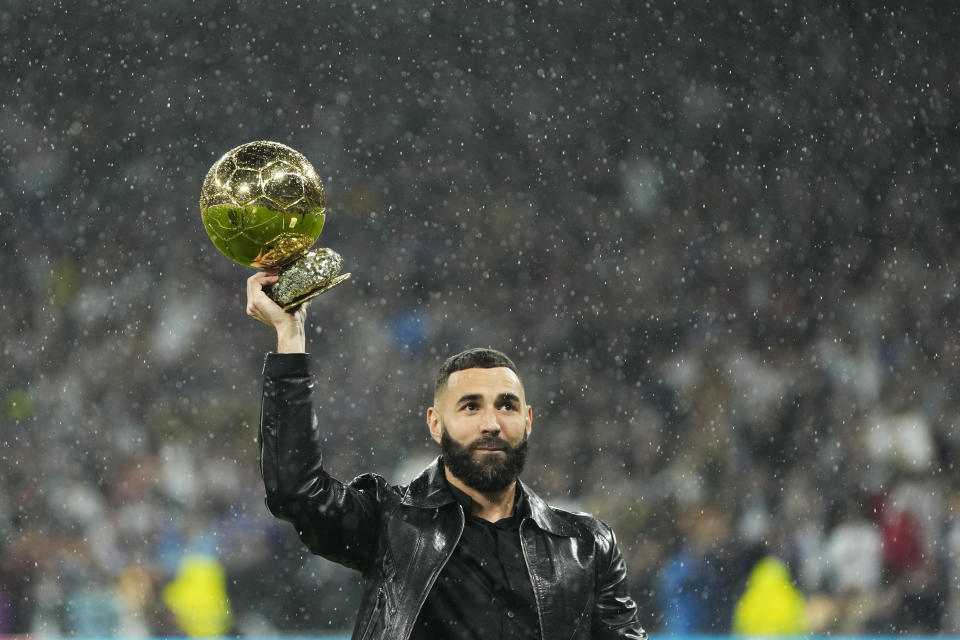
x,y
466,551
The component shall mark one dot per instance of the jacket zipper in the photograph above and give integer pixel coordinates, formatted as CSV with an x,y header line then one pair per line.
x,y
533,582
436,574
373,616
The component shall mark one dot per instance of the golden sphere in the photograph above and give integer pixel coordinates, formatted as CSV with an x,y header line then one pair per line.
x,y
262,204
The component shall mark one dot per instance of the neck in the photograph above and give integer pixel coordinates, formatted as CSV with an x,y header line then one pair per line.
x,y
489,506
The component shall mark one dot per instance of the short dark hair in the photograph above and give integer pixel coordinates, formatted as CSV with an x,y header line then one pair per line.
x,y
476,358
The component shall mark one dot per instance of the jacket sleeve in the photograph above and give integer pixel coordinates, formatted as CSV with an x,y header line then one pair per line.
x,y
334,520
615,612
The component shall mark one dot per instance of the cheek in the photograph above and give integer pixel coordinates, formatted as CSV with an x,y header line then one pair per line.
x,y
518,428
459,429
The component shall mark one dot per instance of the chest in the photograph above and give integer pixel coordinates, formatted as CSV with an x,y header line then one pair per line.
x,y
556,574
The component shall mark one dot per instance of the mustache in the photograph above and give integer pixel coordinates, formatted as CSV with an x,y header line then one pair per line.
x,y
494,442
490,442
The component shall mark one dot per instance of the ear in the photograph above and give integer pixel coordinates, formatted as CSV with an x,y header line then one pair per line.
x,y
433,423
529,419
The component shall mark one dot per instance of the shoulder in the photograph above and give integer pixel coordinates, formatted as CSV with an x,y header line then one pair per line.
x,y
564,522
588,526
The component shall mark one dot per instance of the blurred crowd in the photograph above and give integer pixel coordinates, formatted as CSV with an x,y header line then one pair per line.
x,y
718,239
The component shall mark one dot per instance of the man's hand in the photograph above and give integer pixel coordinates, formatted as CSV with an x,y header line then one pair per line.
x,y
291,337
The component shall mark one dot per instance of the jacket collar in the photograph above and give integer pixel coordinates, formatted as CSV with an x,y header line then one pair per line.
x,y
429,491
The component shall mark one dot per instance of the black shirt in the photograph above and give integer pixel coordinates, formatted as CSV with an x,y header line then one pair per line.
x,y
484,591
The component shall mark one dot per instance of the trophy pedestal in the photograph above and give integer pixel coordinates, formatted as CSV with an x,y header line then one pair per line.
x,y
306,278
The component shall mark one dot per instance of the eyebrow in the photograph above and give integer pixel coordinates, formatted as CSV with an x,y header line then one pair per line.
x,y
470,396
503,397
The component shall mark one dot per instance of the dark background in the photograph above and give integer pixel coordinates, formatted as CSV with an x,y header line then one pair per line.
x,y
719,240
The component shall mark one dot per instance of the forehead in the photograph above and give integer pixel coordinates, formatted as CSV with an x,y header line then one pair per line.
x,y
484,381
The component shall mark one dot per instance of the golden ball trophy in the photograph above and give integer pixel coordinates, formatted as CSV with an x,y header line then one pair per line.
x,y
264,206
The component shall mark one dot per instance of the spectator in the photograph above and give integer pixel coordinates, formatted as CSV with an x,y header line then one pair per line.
x,y
771,604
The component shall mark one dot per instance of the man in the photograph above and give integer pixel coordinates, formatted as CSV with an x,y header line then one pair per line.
x,y
466,550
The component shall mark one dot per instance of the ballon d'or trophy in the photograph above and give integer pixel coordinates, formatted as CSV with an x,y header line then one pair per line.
x,y
264,206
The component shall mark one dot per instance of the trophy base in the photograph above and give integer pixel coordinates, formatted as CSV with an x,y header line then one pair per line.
x,y
295,304
307,278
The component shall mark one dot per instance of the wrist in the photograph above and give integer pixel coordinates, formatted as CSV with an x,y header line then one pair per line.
x,y
291,339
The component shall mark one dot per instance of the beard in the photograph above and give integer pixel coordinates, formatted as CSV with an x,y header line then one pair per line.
x,y
493,473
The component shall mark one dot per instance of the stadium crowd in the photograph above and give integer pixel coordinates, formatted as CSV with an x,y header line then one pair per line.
x,y
719,240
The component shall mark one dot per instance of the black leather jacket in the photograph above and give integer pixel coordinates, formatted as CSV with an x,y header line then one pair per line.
x,y
400,537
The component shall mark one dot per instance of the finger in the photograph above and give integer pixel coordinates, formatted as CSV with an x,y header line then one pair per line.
x,y
262,278
257,282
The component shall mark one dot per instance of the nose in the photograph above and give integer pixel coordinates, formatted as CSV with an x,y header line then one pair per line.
x,y
490,423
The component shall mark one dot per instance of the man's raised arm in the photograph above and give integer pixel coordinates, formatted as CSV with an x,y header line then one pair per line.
x,y
337,521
